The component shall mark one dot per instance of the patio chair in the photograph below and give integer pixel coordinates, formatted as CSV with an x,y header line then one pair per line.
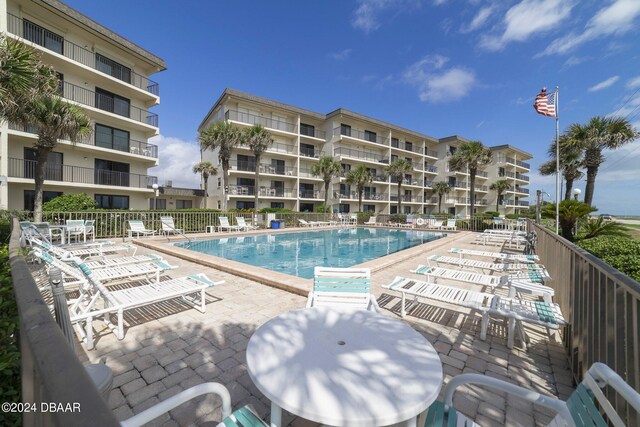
x,y
305,223
515,311
371,221
75,228
435,225
93,250
450,225
240,220
168,226
243,417
136,226
224,225
586,406
484,265
496,255
498,222
90,230
342,287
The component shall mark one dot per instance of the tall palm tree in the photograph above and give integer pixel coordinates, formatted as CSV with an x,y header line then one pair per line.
x,y
259,140
570,164
327,169
471,155
601,133
397,169
224,137
359,177
205,169
500,186
440,188
53,119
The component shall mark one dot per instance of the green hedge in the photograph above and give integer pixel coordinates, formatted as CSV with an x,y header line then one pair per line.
x,y
622,254
9,350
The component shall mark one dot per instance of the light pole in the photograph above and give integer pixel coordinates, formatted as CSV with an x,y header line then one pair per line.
x,y
155,198
576,193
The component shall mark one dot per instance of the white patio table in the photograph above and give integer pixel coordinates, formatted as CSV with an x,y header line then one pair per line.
x,y
344,368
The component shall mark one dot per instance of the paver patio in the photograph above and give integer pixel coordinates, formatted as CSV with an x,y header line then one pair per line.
x,y
169,347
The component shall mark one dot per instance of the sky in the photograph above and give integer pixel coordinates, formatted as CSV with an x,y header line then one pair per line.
x,y
440,67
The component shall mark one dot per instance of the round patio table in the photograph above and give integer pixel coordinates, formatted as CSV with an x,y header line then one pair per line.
x,y
344,368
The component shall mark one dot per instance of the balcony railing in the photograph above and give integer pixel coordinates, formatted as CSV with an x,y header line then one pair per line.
x,y
265,168
358,154
430,153
405,181
125,145
514,175
250,190
511,202
407,147
310,153
311,194
406,198
517,162
314,133
277,147
252,119
79,54
521,190
353,195
431,168
359,134
21,168
467,201
103,102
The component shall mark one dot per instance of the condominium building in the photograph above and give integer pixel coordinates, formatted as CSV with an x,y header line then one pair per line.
x,y
108,76
302,136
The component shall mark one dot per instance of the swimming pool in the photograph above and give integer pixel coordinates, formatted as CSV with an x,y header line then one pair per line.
x,y
297,253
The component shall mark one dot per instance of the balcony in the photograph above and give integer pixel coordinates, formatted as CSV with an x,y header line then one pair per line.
x,y
515,175
406,198
430,153
277,147
359,154
467,201
265,168
361,135
405,181
510,202
20,168
312,154
126,145
311,194
18,27
406,146
313,133
252,119
106,103
520,190
431,169
306,173
517,162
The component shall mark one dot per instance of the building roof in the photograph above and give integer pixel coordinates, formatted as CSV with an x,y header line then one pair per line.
x,y
453,138
511,147
104,31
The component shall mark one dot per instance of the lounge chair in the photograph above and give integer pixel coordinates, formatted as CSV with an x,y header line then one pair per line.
x,y
304,223
450,225
436,225
371,221
243,223
498,222
93,250
484,265
495,255
342,287
579,409
224,225
516,311
490,231
169,227
136,226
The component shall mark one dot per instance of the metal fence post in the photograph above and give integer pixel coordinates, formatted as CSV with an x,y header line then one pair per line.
x,y
60,305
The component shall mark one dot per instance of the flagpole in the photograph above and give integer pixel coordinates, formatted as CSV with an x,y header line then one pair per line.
x,y
557,165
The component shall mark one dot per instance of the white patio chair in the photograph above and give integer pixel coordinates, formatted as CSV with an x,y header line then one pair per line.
x,y
586,406
436,225
169,226
342,287
498,222
224,225
136,226
94,250
450,225
240,220
304,223
495,255
371,221
75,228
90,230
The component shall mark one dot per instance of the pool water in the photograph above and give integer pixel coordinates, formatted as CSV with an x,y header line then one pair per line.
x,y
297,253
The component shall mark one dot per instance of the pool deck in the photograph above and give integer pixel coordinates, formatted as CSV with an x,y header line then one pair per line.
x,y
169,347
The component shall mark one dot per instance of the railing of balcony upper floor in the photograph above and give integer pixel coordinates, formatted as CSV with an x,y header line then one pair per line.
x,y
265,168
479,173
405,198
407,146
277,147
305,152
313,132
359,154
521,190
405,181
360,134
424,167
467,201
119,144
250,190
107,103
517,162
430,153
515,175
267,122
311,194
36,34
366,195
511,202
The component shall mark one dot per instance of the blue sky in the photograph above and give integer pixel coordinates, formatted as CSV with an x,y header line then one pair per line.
x,y
441,67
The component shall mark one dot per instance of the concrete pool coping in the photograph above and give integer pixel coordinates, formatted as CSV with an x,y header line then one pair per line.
x,y
287,282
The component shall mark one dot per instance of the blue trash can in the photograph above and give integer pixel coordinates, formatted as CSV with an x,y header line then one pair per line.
x,y
275,223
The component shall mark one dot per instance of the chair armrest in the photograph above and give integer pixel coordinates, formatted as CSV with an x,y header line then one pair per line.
x,y
309,300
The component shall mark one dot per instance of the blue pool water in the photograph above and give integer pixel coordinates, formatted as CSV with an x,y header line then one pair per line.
x,y
297,253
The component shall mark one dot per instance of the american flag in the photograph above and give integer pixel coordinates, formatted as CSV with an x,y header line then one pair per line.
x,y
545,103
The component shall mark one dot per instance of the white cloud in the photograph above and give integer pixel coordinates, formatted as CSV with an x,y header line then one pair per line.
x,y
526,19
633,83
616,18
365,17
341,55
479,20
436,84
574,60
177,158
523,101
604,84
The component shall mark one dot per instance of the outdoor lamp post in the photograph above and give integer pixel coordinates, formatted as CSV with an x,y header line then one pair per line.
x,y
155,198
576,193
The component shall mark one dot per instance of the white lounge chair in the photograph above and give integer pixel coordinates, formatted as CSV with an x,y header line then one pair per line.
x,y
496,255
305,223
435,224
169,226
516,311
224,225
93,250
243,223
579,409
450,225
371,221
136,226
504,232
484,265
342,287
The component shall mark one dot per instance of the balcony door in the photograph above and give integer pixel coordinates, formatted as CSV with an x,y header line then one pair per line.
x,y
53,170
112,103
108,172
277,166
115,139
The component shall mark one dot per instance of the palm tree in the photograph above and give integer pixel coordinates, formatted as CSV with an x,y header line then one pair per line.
x,y
600,227
440,188
205,169
500,186
601,133
570,164
359,177
224,137
471,155
570,212
259,140
327,169
397,169
53,119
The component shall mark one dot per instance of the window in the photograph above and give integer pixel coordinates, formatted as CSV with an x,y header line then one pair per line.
x,y
114,69
345,130
30,197
393,158
307,150
108,172
277,166
343,208
345,189
106,201
184,204
452,181
393,209
277,205
116,139
246,163
370,136
53,170
406,209
43,37
112,103
368,208
306,190
308,130
278,186
240,204
306,207
159,204
452,150
219,182
408,146
395,142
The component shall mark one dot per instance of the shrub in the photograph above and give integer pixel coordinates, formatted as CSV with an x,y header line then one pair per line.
x,y
620,253
70,202
10,354
322,209
275,210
